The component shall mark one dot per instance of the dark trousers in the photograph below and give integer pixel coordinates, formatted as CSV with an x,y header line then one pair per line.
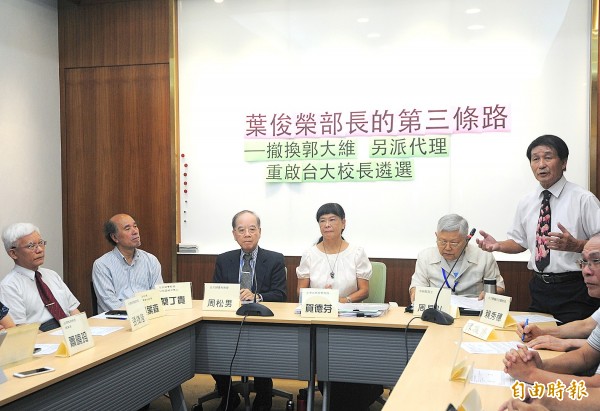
x,y
567,301
349,396
262,386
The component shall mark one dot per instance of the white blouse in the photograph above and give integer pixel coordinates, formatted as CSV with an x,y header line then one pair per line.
x,y
347,266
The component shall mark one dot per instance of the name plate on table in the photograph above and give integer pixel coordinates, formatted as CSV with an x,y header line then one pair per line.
x,y
495,311
221,297
319,302
175,296
152,304
480,330
77,335
425,298
136,313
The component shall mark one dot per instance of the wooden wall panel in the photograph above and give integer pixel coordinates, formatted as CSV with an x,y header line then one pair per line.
x,y
117,155
117,122
108,33
199,269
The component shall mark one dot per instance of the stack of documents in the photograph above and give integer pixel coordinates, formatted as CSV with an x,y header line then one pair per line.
x,y
358,309
362,309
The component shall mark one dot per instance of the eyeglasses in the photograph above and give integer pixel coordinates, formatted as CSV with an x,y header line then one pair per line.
x,y
32,246
444,243
242,230
595,263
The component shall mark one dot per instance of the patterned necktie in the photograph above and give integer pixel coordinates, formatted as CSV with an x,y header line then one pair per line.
x,y
48,298
246,277
542,252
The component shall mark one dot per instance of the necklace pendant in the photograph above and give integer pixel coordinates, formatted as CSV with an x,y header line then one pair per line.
x,y
332,274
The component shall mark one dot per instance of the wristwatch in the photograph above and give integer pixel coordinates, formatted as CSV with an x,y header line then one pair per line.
x,y
348,300
259,298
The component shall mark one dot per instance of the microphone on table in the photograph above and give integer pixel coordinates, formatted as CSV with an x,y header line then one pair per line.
x,y
435,315
254,308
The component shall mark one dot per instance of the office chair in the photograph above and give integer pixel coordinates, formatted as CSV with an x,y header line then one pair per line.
x,y
94,299
377,283
244,387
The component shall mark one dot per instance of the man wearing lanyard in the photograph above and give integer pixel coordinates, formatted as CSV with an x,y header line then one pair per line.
x,y
473,266
554,223
261,274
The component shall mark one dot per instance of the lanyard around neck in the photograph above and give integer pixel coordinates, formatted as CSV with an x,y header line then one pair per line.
x,y
446,280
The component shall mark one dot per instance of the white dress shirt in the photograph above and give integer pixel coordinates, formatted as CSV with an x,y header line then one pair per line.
x,y
19,293
575,208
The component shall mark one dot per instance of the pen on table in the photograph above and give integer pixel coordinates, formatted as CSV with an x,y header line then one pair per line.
x,y
526,323
116,318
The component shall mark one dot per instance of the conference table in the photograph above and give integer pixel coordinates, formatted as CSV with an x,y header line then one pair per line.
x,y
126,370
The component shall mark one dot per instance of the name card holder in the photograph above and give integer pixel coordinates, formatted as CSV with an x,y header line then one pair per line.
x,y
425,298
136,313
152,304
319,302
471,402
461,370
175,296
76,334
480,330
221,297
496,311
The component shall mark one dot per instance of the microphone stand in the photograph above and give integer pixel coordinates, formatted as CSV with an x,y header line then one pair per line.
x,y
254,308
435,315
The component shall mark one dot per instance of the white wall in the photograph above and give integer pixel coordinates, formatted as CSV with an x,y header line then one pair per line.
x,y
30,172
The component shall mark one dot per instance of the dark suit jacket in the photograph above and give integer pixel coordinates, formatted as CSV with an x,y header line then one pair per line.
x,y
269,271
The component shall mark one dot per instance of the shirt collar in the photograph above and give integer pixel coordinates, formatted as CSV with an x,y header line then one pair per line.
x,y
555,189
122,257
254,253
25,271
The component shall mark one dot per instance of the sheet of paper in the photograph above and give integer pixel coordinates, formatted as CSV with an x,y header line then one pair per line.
x,y
489,347
470,303
98,331
491,377
46,349
534,318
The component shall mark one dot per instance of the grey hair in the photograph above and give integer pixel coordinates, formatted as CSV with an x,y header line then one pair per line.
x,y
15,232
235,217
453,222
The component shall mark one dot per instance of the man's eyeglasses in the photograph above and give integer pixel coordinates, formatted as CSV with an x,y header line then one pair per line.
x,y
444,243
32,246
251,230
595,263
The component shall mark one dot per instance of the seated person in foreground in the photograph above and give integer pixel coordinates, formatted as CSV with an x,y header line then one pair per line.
x,y
33,294
527,366
252,267
5,319
474,265
335,263
125,270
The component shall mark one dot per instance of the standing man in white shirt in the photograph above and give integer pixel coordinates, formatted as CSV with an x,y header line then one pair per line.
x,y
125,270
33,294
554,223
